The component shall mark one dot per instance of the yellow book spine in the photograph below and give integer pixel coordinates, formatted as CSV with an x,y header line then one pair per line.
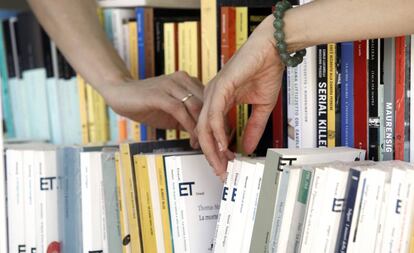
x,y
209,39
123,218
101,16
331,94
101,118
183,57
165,213
146,209
241,26
93,138
169,63
192,30
242,111
83,106
130,193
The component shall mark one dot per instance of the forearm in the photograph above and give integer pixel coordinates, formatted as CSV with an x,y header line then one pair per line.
x,y
74,26
329,21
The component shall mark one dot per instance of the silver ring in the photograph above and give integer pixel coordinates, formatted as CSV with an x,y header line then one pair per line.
x,y
184,99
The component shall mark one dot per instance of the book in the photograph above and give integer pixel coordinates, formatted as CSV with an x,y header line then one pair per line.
x,y
277,158
347,102
373,104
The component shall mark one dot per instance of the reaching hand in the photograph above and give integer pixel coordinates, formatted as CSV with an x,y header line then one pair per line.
x,y
253,76
158,102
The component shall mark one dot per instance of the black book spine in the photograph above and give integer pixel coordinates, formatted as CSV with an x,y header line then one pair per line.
x,y
373,120
47,54
8,47
285,125
159,47
338,86
322,96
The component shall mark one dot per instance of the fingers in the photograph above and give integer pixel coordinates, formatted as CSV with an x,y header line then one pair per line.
x,y
193,103
255,127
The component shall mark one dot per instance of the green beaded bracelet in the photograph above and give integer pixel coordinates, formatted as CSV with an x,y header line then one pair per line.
x,y
290,61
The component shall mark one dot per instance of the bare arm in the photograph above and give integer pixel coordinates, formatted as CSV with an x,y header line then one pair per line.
x,y
74,26
254,74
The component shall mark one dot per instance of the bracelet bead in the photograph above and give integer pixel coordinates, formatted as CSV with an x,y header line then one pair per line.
x,y
279,35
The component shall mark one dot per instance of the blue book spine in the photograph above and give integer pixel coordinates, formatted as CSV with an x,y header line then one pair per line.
x,y
348,212
7,108
140,12
347,94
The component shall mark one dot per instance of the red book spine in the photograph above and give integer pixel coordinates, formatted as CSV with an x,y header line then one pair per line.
x,y
399,97
277,124
360,95
228,48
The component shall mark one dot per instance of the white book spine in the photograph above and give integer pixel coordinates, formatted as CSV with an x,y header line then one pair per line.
x,y
308,95
155,200
105,246
48,202
395,205
224,210
313,220
30,178
91,177
3,184
239,211
15,203
363,240
172,182
297,78
294,178
251,213
382,219
407,227
118,18
125,40
182,210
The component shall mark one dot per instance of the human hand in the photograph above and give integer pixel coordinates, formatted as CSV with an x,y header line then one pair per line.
x,y
157,101
252,76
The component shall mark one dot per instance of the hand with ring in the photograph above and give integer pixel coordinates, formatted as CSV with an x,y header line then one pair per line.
x,y
167,102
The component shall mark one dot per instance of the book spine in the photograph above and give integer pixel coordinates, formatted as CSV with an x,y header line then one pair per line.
x,y
389,101
183,58
381,104
145,205
228,33
83,109
322,96
112,213
6,101
360,95
170,55
209,41
399,97
131,197
407,103
412,108
123,216
163,198
373,121
278,121
331,84
30,174
308,107
347,101
338,98
91,196
348,212
4,243
140,15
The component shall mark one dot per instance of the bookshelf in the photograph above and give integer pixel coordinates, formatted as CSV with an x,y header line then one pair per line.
x,y
182,4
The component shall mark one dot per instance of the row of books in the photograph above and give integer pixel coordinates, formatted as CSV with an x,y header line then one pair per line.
x,y
163,197
131,198
312,207
39,83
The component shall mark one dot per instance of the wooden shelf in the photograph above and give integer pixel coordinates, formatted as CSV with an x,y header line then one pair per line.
x,y
181,4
